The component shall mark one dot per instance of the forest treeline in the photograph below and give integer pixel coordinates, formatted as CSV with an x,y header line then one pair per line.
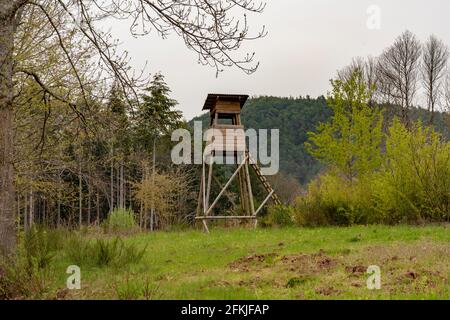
x,y
76,165
72,174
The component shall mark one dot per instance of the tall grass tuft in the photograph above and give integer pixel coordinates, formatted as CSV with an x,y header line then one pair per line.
x,y
103,252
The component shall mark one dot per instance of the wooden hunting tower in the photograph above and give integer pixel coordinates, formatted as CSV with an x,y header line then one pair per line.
x,y
227,139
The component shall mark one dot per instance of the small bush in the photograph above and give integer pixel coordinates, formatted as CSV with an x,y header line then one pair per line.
x,y
413,184
27,274
39,246
278,216
333,200
19,281
120,221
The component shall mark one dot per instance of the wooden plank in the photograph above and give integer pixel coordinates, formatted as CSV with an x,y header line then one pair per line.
x,y
205,225
204,188
225,217
227,126
263,203
199,203
249,188
208,189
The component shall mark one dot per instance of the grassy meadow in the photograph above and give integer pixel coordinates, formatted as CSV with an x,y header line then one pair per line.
x,y
285,263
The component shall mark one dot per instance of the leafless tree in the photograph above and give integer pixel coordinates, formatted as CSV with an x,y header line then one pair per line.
x,y
398,69
211,28
435,57
357,64
447,98
367,67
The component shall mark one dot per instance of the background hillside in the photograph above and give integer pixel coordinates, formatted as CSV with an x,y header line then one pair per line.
x,y
295,117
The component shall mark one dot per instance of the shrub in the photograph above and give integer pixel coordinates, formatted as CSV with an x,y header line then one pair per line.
x,y
414,182
40,244
278,216
121,221
334,200
103,252
411,186
19,281
26,275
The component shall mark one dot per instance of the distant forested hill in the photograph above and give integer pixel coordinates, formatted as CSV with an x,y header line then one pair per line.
x,y
294,117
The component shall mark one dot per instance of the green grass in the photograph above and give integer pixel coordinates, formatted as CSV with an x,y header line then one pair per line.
x,y
294,263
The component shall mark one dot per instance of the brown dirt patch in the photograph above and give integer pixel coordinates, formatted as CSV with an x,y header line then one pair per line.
x,y
244,263
356,269
303,263
327,291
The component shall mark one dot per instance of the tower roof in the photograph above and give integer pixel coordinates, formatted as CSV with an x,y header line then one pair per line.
x,y
213,98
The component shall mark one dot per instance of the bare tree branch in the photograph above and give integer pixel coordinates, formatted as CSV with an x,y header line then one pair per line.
x,y
72,105
398,71
435,57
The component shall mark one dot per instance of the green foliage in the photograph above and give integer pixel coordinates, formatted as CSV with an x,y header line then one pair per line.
x,y
351,141
278,216
333,200
406,181
121,221
39,246
26,274
102,252
19,281
156,115
132,289
414,183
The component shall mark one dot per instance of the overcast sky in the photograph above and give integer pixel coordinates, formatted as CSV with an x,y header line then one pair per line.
x,y
307,42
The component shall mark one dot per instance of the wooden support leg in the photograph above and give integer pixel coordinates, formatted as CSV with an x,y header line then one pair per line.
x,y
208,189
205,226
199,200
239,184
203,189
249,187
242,192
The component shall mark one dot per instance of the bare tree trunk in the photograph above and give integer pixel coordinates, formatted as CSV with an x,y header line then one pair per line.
x,y
435,57
18,210
44,212
8,236
80,196
25,212
30,224
89,198
130,193
111,205
152,212
121,190
118,187
140,215
98,208
58,221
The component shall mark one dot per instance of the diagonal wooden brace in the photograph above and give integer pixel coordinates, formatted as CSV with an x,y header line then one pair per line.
x,y
226,186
